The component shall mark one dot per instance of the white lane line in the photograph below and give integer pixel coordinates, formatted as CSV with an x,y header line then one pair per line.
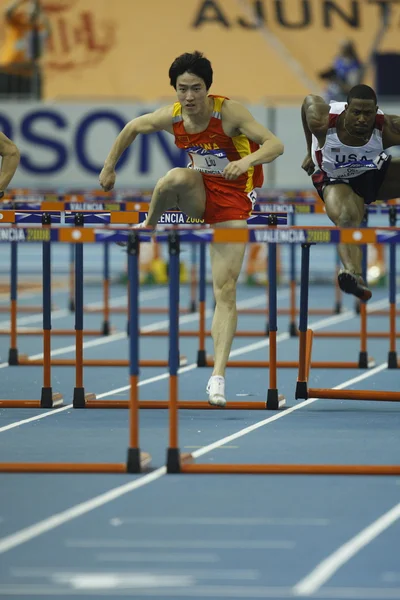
x,y
183,544
63,312
164,324
67,573
187,590
151,327
52,412
228,521
284,413
328,567
237,352
98,342
154,557
33,531
126,387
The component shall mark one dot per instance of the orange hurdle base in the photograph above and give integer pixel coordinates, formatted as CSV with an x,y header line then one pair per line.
x,y
30,331
66,362
285,311
144,463
293,364
290,469
303,393
122,310
48,400
270,404
362,395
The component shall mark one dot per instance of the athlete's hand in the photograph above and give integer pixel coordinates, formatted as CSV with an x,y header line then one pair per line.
x,y
235,169
308,165
107,179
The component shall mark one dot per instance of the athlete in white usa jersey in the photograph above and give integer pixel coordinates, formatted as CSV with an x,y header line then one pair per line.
x,y
346,157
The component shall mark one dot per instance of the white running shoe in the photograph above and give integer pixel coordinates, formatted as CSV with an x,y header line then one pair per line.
x,y
216,391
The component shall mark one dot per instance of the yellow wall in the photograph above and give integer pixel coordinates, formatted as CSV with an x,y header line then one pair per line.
x,y
107,49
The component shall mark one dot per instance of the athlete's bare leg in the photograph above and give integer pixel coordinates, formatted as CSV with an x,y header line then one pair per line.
x,y
345,208
226,263
179,187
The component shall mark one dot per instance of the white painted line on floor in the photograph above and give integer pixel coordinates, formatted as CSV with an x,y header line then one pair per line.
x,y
32,531
183,544
281,337
50,413
63,312
328,567
158,325
68,573
227,521
154,557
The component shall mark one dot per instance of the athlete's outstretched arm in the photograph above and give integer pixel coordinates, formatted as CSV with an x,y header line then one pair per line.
x,y
237,117
9,163
149,123
314,116
391,131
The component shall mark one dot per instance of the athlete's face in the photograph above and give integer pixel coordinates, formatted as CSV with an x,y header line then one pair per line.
x,y
192,93
360,116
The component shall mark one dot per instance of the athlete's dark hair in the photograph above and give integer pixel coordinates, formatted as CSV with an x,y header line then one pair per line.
x,y
194,63
361,92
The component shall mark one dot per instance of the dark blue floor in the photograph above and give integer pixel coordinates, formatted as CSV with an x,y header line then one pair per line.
x,y
187,536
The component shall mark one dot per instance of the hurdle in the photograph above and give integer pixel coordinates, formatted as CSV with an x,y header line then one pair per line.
x,y
324,235
13,217
306,336
48,399
274,400
363,311
295,203
79,362
177,462
137,461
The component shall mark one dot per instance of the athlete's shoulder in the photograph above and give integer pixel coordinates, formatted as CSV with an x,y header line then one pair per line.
x,y
336,108
232,107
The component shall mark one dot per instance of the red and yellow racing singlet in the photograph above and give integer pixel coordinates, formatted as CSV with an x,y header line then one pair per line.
x,y
211,150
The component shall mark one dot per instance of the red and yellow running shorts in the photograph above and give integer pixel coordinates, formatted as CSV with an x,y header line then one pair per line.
x,y
225,202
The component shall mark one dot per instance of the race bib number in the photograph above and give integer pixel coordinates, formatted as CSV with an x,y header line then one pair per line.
x,y
212,162
380,160
358,167
252,196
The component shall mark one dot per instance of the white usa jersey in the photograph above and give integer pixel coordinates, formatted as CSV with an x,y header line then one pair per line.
x,y
339,161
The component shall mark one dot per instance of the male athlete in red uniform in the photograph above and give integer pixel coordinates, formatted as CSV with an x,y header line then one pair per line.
x,y
226,148
349,168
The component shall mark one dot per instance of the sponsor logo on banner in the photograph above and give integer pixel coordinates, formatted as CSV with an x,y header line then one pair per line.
x,y
293,236
279,236
12,235
175,218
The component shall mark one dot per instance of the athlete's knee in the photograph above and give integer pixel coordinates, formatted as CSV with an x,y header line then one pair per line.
x,y
225,292
348,217
176,180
